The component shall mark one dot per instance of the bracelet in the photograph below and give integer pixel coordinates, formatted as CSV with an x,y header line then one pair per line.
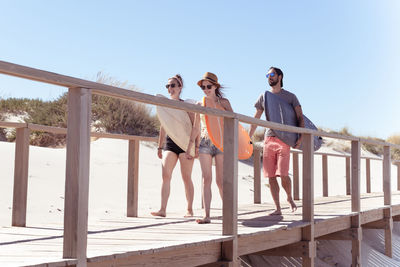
x,y
159,148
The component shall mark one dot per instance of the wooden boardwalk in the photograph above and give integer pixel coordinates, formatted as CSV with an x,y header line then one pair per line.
x,y
175,241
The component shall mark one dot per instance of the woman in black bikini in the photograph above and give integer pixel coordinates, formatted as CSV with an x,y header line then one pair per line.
x,y
169,152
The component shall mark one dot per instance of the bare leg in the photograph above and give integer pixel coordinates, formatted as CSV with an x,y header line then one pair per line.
x,y
168,164
186,171
287,185
274,187
205,163
219,171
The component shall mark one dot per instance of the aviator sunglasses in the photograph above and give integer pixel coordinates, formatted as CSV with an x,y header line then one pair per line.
x,y
203,87
172,85
272,74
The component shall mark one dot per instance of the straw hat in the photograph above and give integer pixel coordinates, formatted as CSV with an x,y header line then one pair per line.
x,y
211,77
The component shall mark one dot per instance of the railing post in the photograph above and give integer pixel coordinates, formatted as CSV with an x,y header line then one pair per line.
x,y
355,202
324,175
387,195
368,172
308,197
77,175
230,190
348,176
133,178
257,176
21,165
296,194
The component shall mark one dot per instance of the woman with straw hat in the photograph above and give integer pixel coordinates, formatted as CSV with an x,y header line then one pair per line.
x,y
172,152
207,150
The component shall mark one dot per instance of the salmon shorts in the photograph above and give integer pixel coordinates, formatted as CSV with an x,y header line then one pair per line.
x,y
276,157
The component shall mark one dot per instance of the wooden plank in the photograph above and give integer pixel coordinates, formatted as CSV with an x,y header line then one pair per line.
x,y
387,192
296,185
381,224
324,175
257,176
371,215
21,164
332,225
308,178
368,174
107,90
6,124
59,130
347,234
348,176
77,174
133,178
355,176
308,196
185,256
356,225
387,213
248,244
299,249
230,190
124,137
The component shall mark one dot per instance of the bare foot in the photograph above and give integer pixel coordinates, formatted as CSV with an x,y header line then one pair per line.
x,y
276,212
292,205
189,214
159,213
203,221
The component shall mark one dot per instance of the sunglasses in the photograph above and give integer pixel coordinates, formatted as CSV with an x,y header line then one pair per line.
x,y
172,85
204,87
272,74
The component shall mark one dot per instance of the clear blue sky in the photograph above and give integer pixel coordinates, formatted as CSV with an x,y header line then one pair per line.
x,y
341,58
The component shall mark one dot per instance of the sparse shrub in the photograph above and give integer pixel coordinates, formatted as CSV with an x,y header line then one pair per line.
x,y
375,149
110,114
395,139
2,132
122,116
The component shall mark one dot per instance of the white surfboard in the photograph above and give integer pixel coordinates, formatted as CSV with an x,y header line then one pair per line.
x,y
177,125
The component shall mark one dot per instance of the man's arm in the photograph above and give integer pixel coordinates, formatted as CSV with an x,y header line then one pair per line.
x,y
300,121
253,127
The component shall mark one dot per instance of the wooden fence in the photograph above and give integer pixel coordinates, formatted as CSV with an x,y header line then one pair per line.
x,y
324,156
78,153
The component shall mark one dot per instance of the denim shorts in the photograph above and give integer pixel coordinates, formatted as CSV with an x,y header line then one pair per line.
x,y
207,147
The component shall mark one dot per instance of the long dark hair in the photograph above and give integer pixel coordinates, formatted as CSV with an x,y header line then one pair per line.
x,y
218,91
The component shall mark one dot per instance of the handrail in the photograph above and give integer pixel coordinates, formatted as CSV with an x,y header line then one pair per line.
x,y
112,91
59,130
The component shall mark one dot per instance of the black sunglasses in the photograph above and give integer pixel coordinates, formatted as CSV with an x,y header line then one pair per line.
x,y
203,87
172,85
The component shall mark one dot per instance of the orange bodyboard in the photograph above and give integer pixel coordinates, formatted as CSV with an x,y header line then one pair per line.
x,y
215,130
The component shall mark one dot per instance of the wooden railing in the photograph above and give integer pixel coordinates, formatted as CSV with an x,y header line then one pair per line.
x,y
21,164
78,152
324,163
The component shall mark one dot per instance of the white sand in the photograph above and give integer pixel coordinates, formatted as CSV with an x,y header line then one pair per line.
x,y
107,197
